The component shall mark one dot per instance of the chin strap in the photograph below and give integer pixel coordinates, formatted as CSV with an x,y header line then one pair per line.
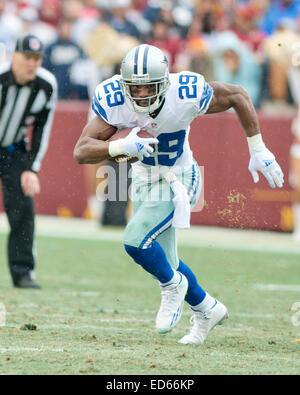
x,y
146,110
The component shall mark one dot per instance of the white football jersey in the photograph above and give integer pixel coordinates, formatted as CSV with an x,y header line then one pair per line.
x,y
187,97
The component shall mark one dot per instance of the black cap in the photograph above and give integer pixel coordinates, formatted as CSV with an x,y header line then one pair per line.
x,y
29,43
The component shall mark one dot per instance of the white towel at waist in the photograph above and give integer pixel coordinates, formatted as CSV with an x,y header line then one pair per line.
x,y
182,211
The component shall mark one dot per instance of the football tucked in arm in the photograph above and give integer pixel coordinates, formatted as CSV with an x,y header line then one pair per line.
x,y
121,135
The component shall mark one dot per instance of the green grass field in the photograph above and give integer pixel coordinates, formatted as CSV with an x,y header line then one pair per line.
x,y
96,314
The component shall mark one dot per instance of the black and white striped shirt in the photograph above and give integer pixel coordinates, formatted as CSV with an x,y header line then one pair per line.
x,y
26,106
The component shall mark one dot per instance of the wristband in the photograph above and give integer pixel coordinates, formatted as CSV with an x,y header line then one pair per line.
x,y
116,148
255,143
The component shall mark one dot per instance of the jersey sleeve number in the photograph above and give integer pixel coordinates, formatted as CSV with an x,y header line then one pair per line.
x,y
114,95
188,88
169,149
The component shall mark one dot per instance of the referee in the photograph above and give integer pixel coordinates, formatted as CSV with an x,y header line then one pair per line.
x,y
28,95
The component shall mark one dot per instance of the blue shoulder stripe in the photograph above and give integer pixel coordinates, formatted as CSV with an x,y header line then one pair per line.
x,y
99,110
206,96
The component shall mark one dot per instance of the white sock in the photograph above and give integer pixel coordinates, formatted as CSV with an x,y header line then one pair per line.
x,y
207,303
174,280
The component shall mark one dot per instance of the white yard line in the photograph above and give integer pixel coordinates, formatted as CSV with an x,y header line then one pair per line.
x,y
277,287
65,316
218,353
5,350
115,317
123,350
112,329
197,236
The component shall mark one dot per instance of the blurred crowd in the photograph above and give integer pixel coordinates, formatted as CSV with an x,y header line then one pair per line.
x,y
253,43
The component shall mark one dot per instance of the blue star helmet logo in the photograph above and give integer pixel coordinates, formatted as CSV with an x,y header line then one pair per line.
x,y
166,60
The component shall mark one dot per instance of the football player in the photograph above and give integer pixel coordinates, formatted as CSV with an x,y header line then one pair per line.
x,y
145,96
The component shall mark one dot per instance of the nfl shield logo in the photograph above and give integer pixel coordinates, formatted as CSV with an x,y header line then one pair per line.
x,y
34,44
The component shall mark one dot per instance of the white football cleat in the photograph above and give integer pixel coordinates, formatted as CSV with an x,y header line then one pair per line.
x,y
172,299
205,322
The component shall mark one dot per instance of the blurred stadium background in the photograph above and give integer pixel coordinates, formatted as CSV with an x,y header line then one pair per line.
x,y
252,43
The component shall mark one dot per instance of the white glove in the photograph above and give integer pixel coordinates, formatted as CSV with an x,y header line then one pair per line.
x,y
132,145
138,146
261,159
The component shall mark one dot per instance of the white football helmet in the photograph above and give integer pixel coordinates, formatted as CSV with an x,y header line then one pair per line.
x,y
145,65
